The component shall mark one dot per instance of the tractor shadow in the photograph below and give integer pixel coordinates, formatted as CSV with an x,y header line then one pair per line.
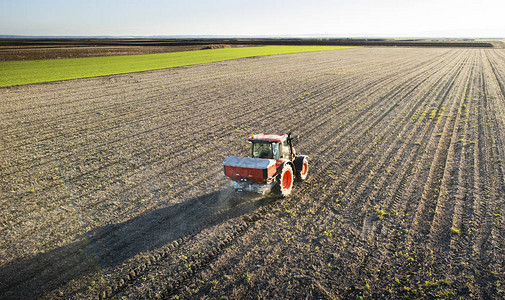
x,y
109,246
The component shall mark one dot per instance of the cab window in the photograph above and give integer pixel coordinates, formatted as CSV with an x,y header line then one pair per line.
x,y
262,150
285,149
275,150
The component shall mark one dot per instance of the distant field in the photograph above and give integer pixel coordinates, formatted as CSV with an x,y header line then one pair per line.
x,y
36,71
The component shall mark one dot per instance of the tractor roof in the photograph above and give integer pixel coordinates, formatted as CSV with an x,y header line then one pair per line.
x,y
268,137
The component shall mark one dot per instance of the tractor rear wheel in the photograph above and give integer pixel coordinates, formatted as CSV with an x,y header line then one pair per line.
x,y
302,168
285,181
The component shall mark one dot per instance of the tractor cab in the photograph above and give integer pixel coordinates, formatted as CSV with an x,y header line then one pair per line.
x,y
271,146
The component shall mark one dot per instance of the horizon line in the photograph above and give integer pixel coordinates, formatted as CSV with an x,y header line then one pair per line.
x,y
209,36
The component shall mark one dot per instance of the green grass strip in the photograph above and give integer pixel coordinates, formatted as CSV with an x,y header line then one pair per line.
x,y
35,71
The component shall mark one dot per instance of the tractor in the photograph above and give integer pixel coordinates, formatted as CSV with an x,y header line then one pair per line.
x,y
272,166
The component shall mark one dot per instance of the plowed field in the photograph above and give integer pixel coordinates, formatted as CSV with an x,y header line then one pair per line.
x,y
113,186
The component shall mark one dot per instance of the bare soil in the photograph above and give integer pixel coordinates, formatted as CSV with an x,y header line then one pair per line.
x,y
33,52
113,186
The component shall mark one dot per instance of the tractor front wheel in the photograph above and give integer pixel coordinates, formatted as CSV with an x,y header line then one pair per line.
x,y
285,181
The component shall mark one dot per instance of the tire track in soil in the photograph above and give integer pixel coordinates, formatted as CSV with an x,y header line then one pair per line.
x,y
447,210
491,164
469,196
445,206
499,115
464,194
382,274
459,190
431,190
489,267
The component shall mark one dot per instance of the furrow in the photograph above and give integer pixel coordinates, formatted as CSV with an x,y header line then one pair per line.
x,y
431,191
441,224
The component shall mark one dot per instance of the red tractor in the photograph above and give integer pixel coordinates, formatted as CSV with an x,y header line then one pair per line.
x,y
272,166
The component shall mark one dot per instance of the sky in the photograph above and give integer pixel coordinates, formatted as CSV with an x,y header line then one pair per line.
x,y
337,18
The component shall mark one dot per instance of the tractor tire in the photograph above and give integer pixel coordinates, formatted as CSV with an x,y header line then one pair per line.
x,y
302,167
285,181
